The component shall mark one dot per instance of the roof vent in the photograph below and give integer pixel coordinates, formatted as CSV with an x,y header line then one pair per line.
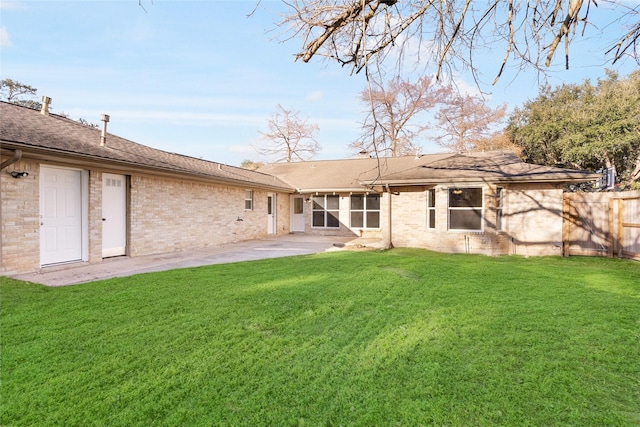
x,y
46,101
103,138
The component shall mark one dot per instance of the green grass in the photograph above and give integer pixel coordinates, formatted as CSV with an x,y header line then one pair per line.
x,y
397,338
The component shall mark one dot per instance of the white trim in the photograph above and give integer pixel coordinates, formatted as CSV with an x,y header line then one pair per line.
x,y
297,223
365,210
246,199
84,215
431,227
326,212
449,209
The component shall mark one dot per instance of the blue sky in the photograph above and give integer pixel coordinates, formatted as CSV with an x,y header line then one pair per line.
x,y
202,78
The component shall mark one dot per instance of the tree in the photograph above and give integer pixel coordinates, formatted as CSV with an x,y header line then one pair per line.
x,y
251,165
289,138
583,126
390,128
467,124
19,93
529,33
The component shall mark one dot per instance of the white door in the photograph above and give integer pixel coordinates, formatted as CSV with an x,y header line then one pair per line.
x,y
271,213
297,214
114,215
60,215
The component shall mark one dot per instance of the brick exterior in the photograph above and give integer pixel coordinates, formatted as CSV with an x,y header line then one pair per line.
x,y
534,219
19,211
410,224
95,216
532,222
168,214
164,215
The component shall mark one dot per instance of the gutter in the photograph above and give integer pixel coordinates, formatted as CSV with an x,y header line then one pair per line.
x,y
17,155
43,153
331,190
389,236
516,180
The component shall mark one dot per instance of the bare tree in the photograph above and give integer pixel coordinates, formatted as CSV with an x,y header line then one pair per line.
x,y
455,31
466,123
390,128
15,92
498,141
289,138
251,165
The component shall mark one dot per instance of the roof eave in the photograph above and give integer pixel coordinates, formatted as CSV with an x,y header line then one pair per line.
x,y
495,180
61,156
325,190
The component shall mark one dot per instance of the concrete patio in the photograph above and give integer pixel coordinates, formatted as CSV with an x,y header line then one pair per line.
x,y
272,247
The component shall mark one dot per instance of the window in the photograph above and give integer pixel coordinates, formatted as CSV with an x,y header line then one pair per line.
x,y
431,208
326,211
465,209
500,209
248,200
365,210
298,207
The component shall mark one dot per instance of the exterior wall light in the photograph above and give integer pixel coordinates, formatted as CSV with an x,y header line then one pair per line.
x,y
17,174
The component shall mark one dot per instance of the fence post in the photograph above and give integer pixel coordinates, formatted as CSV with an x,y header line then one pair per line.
x,y
566,224
620,226
611,238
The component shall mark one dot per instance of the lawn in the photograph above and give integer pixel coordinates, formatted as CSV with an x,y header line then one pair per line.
x,y
397,338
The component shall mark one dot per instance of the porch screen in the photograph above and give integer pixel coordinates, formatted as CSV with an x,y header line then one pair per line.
x,y
365,211
326,211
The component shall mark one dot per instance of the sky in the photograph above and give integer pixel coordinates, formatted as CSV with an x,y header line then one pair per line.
x,y
202,78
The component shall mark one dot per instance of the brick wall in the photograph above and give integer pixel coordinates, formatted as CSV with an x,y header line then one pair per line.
x,y
165,215
169,215
410,225
95,216
19,211
533,218
532,222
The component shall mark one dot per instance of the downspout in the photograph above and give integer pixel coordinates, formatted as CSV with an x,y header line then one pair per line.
x,y
388,237
17,155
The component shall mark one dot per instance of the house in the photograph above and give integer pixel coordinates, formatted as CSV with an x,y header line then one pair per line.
x,y
71,194
490,203
74,194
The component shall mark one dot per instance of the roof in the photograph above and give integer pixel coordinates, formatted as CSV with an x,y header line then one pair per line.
x,y
351,175
56,136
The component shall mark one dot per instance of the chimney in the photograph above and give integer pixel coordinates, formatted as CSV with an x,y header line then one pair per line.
x,y
45,105
103,137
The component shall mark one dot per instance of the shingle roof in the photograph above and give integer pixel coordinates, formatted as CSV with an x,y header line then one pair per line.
x,y
351,175
27,129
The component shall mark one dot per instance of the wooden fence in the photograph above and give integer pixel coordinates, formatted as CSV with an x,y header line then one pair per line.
x,y
602,224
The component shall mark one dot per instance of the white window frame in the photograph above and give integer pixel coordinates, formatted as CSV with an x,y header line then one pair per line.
x,y
365,210
248,200
500,195
326,212
431,208
466,209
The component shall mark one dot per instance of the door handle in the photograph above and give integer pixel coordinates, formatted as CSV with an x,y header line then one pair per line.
x,y
104,219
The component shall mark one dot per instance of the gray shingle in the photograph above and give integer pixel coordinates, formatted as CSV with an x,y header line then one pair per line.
x,y
29,130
